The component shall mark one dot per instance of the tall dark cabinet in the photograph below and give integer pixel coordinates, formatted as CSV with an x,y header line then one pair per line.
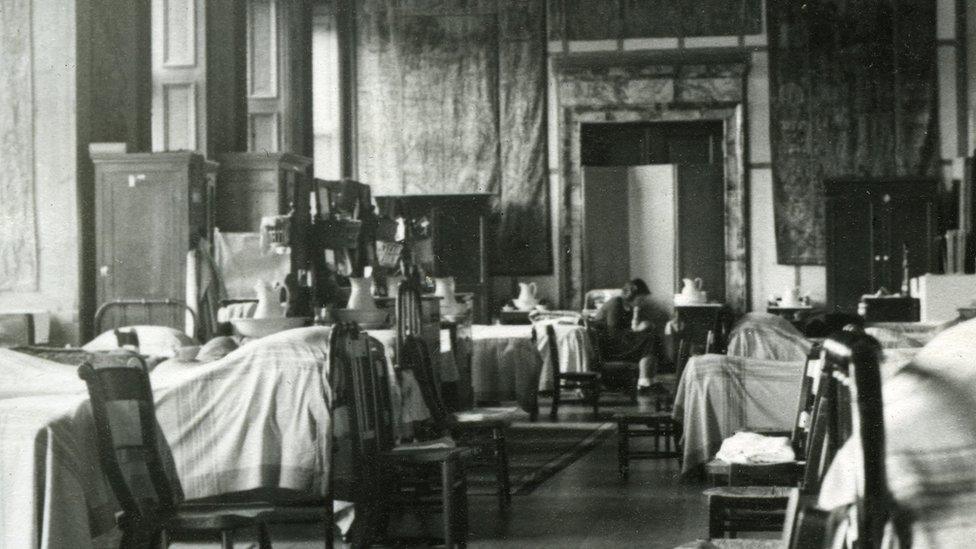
x,y
869,222
252,185
150,210
459,224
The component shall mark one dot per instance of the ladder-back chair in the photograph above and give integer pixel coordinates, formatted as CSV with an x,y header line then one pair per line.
x,y
131,452
385,477
483,430
757,497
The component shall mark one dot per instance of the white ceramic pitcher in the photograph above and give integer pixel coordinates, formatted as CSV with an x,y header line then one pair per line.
x,y
444,289
360,297
269,300
526,300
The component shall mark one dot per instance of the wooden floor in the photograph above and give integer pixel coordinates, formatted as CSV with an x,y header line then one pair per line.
x,y
584,505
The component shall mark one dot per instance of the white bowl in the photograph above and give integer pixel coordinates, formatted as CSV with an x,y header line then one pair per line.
x,y
367,319
260,327
698,298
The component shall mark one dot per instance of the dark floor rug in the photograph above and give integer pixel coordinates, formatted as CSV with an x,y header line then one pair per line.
x,y
537,451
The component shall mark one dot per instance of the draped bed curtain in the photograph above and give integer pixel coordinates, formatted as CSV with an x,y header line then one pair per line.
x,y
451,99
853,92
18,237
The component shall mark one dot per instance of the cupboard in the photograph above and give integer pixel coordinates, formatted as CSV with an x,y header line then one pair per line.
x,y
150,210
871,226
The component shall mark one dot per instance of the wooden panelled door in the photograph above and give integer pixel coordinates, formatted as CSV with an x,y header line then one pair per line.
x,y
654,206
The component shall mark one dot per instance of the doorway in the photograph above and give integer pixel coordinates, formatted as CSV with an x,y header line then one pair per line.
x,y
653,206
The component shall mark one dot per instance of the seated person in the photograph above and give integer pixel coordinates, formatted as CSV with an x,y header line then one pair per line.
x,y
629,333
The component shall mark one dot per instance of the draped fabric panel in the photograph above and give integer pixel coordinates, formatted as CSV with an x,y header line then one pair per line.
x,y
451,99
615,19
853,92
18,240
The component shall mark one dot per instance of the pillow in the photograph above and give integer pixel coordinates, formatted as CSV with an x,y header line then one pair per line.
x,y
153,340
216,348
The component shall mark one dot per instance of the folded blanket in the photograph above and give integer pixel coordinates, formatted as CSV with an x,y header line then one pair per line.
x,y
746,447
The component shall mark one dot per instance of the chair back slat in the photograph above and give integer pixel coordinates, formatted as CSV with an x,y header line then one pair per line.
x,y
821,445
858,359
361,383
408,312
801,424
128,441
416,358
553,354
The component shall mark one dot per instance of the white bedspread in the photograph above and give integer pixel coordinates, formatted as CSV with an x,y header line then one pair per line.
x,y
258,417
930,427
719,395
505,365
767,337
572,347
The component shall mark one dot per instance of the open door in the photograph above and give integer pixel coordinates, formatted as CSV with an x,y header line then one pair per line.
x,y
660,223
700,240
606,255
628,229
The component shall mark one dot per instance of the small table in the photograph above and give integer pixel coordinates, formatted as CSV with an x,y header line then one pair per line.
x,y
514,317
696,322
796,314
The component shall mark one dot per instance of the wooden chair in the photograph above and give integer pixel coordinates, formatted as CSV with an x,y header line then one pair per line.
x,y
386,477
854,357
130,449
718,471
589,383
657,424
485,431
757,497
614,374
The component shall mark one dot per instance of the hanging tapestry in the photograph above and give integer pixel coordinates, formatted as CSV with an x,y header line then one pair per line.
x,y
451,99
853,92
18,245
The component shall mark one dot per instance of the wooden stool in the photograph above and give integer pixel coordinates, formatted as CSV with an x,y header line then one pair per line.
x,y
658,425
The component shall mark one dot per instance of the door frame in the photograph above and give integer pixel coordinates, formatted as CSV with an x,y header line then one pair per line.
x,y
735,212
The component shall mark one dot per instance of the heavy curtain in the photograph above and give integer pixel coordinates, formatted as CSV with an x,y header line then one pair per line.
x,y
451,99
853,92
18,242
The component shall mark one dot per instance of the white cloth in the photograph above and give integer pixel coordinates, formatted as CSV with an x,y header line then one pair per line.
x,y
572,347
242,260
408,401
505,365
746,447
259,417
768,337
930,436
894,335
719,395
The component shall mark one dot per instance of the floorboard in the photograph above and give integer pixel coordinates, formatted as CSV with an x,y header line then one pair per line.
x,y
584,505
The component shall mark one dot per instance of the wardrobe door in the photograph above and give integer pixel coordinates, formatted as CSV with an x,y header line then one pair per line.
x,y
911,228
850,258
